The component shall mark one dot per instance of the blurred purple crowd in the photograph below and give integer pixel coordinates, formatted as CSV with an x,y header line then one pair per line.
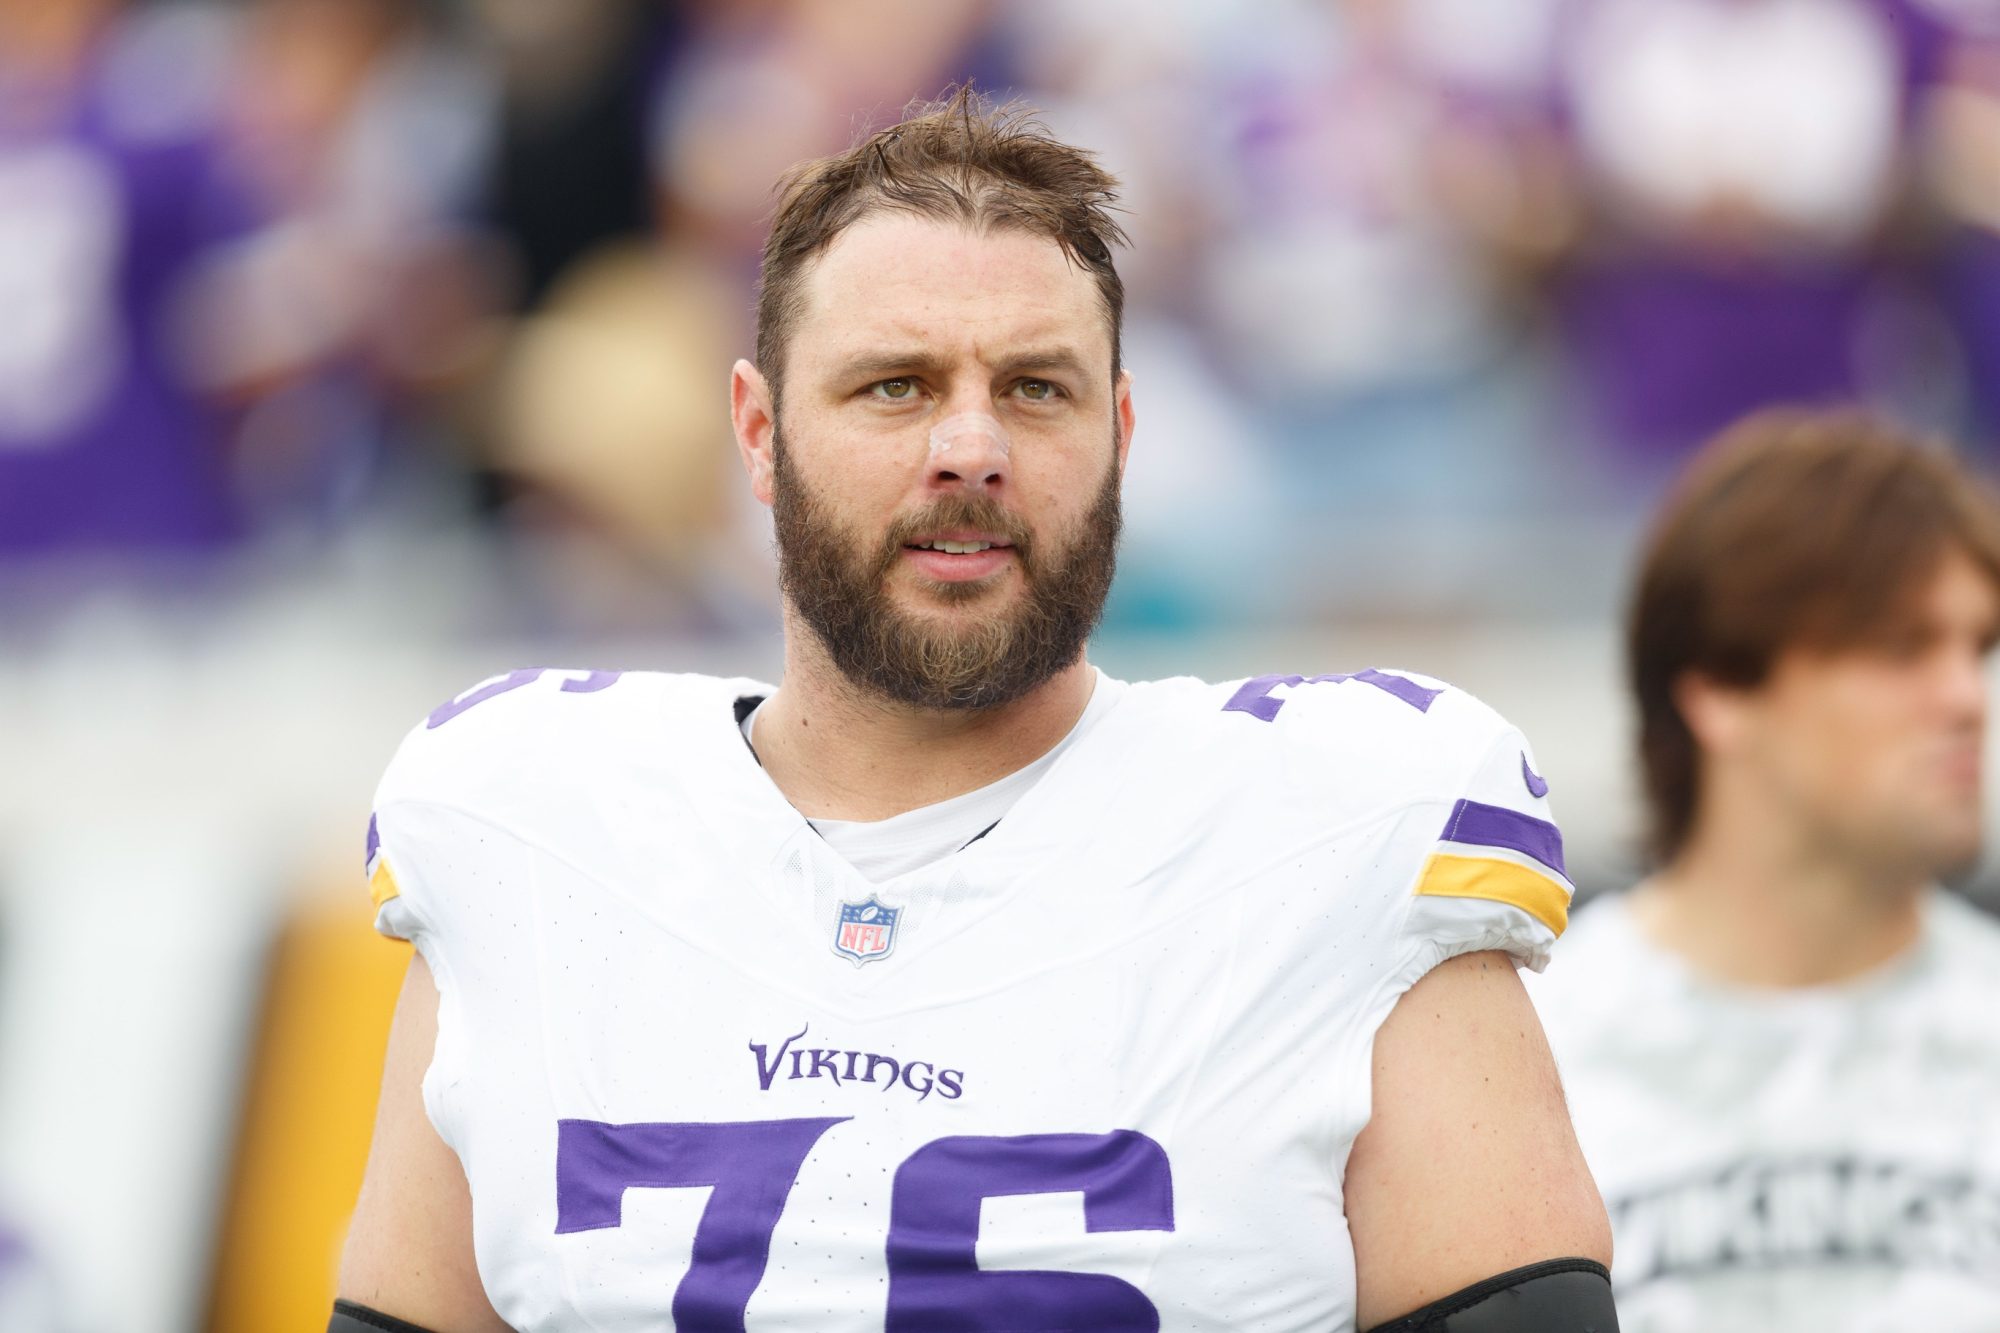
x,y
277,275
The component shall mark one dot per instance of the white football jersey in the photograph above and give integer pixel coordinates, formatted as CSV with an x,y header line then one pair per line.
x,y
1098,1069
1824,1159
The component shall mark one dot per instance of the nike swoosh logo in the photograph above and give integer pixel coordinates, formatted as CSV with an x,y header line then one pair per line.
x,y
1536,786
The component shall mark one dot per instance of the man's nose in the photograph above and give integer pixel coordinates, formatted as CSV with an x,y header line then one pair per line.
x,y
970,451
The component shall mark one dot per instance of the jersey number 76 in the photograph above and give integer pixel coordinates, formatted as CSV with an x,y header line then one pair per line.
x,y
935,1282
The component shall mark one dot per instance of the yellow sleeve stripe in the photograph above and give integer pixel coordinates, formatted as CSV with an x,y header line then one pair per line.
x,y
382,884
1448,876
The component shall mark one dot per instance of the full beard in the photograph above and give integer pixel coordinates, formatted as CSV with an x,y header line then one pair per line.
x,y
839,587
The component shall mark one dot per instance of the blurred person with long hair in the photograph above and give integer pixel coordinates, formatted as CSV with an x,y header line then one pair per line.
x,y
1780,1049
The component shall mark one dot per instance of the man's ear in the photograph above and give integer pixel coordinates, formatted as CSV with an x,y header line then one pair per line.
x,y
1719,716
1122,406
754,418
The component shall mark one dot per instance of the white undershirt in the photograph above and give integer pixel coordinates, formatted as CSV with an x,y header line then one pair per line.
x,y
881,849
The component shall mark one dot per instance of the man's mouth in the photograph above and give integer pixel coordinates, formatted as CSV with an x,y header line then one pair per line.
x,y
960,544
962,556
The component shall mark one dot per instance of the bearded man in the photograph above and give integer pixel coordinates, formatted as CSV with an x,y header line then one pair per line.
x,y
951,984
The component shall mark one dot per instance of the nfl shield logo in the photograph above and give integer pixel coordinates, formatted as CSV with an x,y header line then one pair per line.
x,y
866,931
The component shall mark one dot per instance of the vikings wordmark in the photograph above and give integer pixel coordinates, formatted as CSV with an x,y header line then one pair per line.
x,y
919,1076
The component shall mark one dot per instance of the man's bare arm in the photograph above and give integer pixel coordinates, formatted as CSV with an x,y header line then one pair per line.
x,y
409,1248
1469,1166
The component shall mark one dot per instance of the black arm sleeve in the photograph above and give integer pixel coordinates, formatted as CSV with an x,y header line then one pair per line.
x,y
1559,1296
351,1318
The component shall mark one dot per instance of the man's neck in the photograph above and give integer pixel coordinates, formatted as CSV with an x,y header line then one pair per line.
x,y
1760,908
839,753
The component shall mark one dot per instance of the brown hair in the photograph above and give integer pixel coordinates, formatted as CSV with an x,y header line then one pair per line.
x,y
961,159
1793,529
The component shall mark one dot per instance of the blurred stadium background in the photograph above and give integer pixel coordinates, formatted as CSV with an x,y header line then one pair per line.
x,y
354,350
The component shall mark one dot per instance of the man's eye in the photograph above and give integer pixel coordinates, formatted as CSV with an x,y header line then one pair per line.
x,y
1038,391
896,390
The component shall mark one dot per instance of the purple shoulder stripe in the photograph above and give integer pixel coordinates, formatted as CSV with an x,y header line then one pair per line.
x,y
1497,826
374,843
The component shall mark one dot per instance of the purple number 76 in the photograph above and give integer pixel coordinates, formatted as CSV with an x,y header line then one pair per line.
x,y
935,1282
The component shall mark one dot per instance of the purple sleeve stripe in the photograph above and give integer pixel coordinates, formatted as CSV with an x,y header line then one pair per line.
x,y
374,843
1496,826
